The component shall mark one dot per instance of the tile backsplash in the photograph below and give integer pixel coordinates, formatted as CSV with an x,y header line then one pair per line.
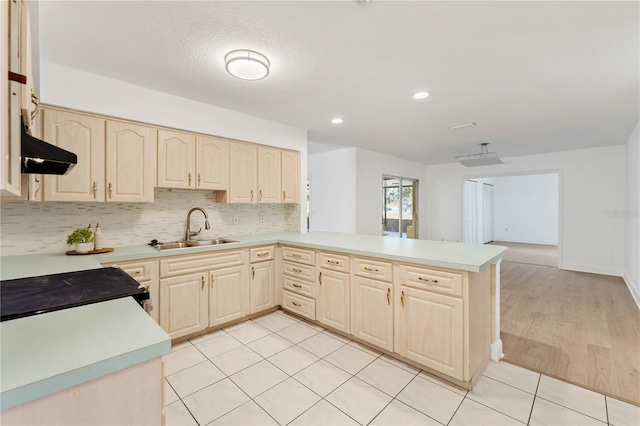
x,y
42,227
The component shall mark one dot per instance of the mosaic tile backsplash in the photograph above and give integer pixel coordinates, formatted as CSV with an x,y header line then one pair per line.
x,y
42,227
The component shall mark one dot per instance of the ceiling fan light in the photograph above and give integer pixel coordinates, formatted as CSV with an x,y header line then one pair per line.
x,y
247,64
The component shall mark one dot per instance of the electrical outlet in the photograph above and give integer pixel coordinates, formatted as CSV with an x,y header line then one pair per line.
x,y
235,220
261,217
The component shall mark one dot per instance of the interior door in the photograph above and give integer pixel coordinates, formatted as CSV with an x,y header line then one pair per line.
x,y
487,192
471,212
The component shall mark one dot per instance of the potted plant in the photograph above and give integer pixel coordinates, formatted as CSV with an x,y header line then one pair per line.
x,y
82,239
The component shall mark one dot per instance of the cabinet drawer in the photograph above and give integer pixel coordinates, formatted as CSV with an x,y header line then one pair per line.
x,y
140,271
261,253
299,255
373,269
300,305
303,272
428,279
201,262
304,288
337,262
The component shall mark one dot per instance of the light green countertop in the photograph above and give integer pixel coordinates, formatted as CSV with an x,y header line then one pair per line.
x,y
466,257
46,353
43,354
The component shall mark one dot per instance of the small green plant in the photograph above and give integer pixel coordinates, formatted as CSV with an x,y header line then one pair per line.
x,y
80,235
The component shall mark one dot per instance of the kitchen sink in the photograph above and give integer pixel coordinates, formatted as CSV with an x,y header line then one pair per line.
x,y
191,243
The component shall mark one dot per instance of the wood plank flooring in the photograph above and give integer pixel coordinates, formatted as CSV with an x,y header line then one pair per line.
x,y
578,327
534,254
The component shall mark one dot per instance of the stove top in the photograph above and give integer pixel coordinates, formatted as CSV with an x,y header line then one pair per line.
x,y
36,295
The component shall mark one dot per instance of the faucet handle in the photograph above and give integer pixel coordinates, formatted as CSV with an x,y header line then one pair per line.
x,y
193,234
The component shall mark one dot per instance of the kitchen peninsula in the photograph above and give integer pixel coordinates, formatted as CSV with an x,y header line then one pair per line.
x,y
434,295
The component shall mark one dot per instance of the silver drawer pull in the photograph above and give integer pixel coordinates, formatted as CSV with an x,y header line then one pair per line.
x,y
371,269
295,255
296,270
296,304
296,285
333,262
428,280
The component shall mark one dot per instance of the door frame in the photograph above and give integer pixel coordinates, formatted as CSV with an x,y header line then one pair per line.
x,y
416,201
524,173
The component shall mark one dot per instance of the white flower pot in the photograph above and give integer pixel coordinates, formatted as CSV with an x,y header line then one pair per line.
x,y
83,247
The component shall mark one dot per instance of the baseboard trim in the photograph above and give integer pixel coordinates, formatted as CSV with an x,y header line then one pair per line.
x,y
592,269
496,351
633,288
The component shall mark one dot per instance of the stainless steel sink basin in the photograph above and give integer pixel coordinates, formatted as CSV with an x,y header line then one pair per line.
x,y
212,242
172,245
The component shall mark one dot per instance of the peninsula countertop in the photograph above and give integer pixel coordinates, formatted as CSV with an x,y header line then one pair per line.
x,y
444,254
46,353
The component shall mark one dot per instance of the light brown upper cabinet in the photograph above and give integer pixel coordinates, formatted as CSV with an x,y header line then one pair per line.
x,y
176,159
119,167
269,165
290,177
84,136
212,163
131,162
189,161
242,172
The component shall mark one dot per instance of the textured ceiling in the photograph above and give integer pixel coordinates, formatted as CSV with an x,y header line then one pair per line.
x,y
534,76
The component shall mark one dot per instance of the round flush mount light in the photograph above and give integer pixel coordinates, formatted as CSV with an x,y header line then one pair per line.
x,y
247,64
336,120
421,95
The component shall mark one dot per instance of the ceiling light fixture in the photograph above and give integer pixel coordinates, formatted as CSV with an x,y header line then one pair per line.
x,y
460,126
485,158
421,95
247,64
336,120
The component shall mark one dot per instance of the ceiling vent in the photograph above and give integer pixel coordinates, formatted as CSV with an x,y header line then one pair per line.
x,y
484,158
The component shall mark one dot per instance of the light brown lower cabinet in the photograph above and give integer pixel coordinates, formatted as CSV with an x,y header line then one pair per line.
x,y
262,287
184,304
228,294
372,306
431,330
333,300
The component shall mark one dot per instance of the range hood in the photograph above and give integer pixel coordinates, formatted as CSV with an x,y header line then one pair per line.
x,y
40,157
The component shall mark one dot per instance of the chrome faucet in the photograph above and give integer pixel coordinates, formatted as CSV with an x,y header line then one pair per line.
x,y
190,234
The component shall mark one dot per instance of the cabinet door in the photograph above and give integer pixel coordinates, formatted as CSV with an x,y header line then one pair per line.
x,y
183,304
332,300
269,164
290,177
212,163
228,294
261,286
84,136
242,173
431,330
131,162
176,160
373,312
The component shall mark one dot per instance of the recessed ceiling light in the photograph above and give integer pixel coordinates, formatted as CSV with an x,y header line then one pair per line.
x,y
421,95
336,120
460,126
247,64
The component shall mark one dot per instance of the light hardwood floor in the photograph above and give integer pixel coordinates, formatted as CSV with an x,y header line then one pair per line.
x,y
578,327
534,254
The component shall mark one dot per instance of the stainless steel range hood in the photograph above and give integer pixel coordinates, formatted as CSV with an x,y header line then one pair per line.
x,y
40,157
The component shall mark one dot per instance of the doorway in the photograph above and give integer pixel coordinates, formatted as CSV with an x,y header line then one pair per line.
x,y
399,207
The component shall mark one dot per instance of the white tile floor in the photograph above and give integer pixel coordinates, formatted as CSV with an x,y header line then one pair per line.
x,y
277,369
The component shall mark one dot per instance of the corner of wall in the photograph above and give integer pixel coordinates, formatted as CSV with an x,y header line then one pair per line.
x,y
634,288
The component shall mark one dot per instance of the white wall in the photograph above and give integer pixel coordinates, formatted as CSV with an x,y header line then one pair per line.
x,y
346,190
592,183
525,208
370,167
80,90
632,215
332,183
